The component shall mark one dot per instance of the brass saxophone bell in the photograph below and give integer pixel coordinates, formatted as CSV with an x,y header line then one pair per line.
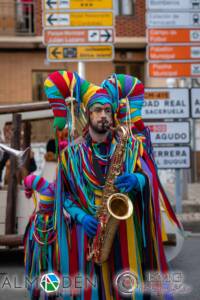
x,y
120,206
21,155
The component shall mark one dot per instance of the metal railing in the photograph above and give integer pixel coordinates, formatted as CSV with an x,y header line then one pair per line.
x,y
17,17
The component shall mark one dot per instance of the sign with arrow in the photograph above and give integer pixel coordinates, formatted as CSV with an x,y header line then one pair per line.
x,y
77,19
78,4
78,30
78,36
65,53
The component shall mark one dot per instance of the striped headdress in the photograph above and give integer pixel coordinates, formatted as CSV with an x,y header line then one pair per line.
x,y
125,94
128,95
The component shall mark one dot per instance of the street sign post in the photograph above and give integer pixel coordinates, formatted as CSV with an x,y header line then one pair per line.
x,y
172,157
78,36
173,35
68,52
169,132
171,52
171,69
163,103
195,102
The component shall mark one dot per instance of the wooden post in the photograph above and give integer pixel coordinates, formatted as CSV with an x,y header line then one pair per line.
x,y
12,185
27,142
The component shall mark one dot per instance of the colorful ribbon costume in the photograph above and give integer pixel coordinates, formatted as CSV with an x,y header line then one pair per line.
x,y
40,238
138,246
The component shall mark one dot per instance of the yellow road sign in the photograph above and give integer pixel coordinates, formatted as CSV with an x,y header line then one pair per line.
x,y
76,19
91,4
78,4
79,53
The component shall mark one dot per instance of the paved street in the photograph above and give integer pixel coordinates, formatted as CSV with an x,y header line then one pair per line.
x,y
188,262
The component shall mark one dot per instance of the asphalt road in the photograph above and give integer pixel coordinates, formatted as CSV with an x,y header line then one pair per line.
x,y
187,262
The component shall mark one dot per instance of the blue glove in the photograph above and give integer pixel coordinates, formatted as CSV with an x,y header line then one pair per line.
x,y
88,222
126,182
90,225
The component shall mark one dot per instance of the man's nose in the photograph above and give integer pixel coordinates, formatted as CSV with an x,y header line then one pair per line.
x,y
103,113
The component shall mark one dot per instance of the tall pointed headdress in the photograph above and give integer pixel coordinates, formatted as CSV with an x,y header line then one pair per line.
x,y
125,94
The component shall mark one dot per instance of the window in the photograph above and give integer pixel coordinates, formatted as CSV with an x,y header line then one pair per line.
x,y
133,69
124,7
25,17
38,78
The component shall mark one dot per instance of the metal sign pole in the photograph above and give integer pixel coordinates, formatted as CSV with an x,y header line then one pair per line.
x,y
194,150
81,69
178,189
171,83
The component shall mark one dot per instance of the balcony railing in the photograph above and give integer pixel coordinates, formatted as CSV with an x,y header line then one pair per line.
x,y
17,17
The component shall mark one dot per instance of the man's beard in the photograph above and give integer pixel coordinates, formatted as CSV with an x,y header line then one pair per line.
x,y
101,127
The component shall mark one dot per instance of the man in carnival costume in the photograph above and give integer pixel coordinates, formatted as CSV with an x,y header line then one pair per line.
x,y
82,173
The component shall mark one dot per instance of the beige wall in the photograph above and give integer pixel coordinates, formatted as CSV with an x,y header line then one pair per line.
x,y
17,67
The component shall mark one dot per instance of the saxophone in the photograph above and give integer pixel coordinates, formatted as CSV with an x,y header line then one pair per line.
x,y
114,207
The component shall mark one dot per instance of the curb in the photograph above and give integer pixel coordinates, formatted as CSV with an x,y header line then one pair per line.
x,y
190,221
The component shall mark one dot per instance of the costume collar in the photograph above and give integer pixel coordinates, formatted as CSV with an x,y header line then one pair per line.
x,y
107,141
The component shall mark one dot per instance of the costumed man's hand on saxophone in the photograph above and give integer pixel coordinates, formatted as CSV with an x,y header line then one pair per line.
x,y
130,181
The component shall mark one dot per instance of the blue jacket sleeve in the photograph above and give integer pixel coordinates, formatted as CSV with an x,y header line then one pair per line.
x,y
75,212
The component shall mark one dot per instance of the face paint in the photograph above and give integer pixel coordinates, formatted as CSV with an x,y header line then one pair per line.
x,y
100,117
98,109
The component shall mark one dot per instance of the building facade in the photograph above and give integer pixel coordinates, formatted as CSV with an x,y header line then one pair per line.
x,y
23,56
24,65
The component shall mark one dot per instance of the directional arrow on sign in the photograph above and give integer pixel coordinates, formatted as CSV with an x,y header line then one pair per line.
x,y
50,3
55,52
53,19
105,35
100,35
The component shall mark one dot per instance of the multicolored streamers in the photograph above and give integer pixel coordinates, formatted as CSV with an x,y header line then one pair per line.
x,y
45,239
138,243
45,189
